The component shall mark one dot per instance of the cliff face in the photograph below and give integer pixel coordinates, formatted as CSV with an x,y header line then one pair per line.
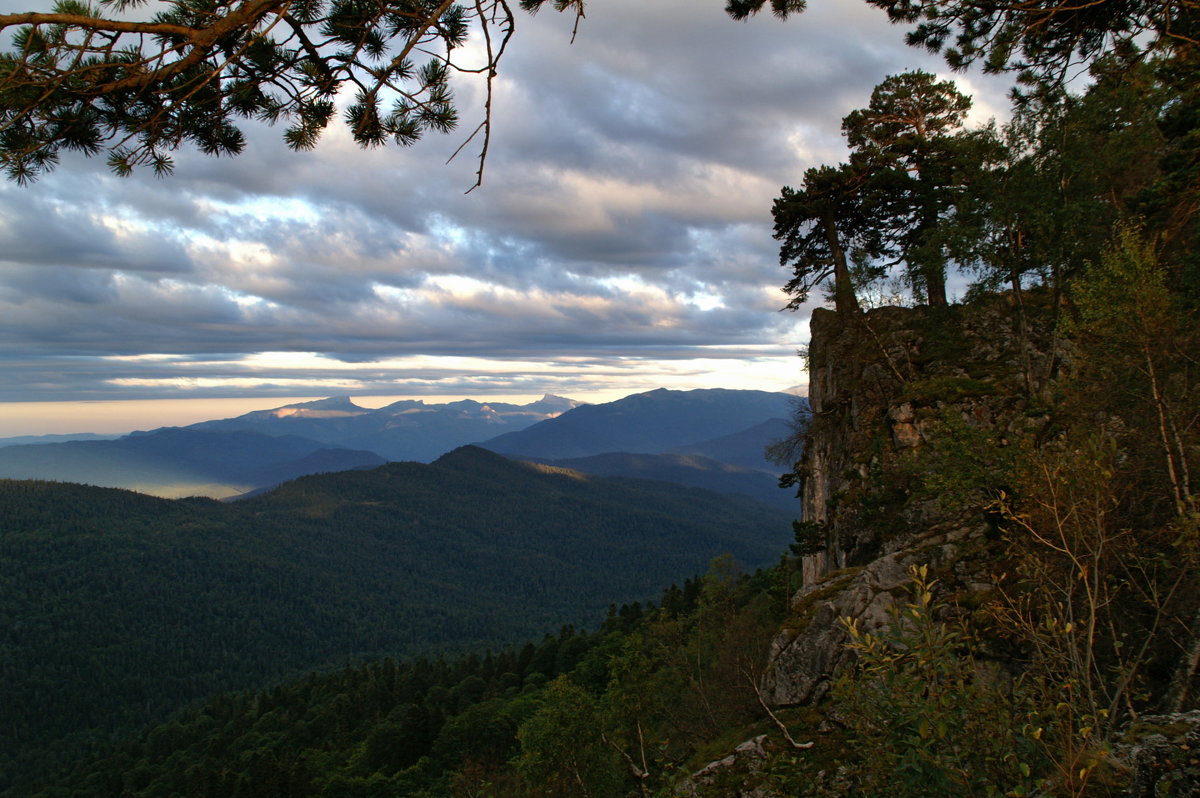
x,y
1039,479
884,390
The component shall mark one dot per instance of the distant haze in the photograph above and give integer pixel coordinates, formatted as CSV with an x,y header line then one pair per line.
x,y
49,418
119,417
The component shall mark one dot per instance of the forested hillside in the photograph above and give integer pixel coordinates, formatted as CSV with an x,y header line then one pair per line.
x,y
574,714
693,470
120,608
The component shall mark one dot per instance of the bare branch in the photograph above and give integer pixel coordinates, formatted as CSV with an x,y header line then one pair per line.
x,y
783,729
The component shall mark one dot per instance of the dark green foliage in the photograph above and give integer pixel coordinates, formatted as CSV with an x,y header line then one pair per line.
x,y
810,538
1032,203
824,228
741,9
1172,202
89,77
946,389
563,751
962,466
893,203
1040,39
917,158
120,608
558,717
926,716
1073,166
381,728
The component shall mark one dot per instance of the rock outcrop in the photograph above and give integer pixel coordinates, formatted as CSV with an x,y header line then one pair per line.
x,y
732,775
919,419
1163,752
883,388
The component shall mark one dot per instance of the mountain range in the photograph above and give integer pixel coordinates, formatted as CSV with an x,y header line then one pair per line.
x,y
127,607
404,430
650,423
697,438
224,458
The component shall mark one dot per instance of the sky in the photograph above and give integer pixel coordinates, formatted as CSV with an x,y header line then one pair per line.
x,y
621,241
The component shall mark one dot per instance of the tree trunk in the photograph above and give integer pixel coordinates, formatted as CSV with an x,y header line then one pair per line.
x,y
1014,276
935,285
844,300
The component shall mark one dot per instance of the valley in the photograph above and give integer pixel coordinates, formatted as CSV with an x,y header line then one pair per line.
x,y
124,608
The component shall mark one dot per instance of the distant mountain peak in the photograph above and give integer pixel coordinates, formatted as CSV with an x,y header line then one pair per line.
x,y
407,429
332,407
554,405
342,401
470,450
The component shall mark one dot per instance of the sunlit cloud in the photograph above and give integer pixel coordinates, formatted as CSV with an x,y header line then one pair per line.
x,y
196,383
622,240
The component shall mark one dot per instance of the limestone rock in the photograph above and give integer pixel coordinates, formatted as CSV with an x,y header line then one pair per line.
x,y
729,777
879,385
905,434
1164,756
805,656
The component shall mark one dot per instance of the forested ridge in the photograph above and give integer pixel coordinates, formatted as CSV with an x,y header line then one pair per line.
x,y
675,674
120,608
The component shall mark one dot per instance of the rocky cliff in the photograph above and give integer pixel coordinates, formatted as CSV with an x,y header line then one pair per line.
x,y
885,389
919,420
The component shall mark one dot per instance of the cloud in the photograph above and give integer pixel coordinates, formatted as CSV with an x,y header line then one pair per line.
x,y
623,231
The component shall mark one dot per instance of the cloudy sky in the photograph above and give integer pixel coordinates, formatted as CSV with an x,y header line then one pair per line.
x,y
621,241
